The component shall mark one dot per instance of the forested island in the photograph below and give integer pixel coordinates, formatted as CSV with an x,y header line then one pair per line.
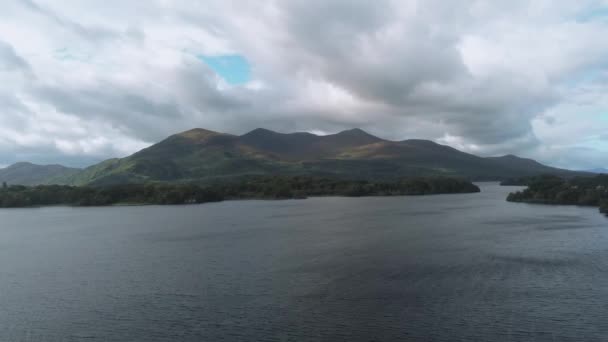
x,y
584,191
262,187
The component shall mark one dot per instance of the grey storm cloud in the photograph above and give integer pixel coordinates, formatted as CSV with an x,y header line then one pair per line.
x,y
83,82
353,44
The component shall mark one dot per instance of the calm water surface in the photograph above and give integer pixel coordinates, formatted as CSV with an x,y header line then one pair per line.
x,y
438,268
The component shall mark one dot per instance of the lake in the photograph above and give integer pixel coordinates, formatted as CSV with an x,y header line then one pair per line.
x,y
469,267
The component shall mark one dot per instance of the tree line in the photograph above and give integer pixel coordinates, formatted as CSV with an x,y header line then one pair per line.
x,y
306,186
586,191
261,187
44,195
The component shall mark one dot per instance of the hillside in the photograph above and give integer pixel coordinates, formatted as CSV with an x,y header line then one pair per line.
x,y
514,164
32,174
599,170
202,155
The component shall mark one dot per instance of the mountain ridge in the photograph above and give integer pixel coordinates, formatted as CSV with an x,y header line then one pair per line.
x,y
26,173
202,155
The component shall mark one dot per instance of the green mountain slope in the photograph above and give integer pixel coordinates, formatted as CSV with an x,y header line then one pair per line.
x,y
32,174
203,155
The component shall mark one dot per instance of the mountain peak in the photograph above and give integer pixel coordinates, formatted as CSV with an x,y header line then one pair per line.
x,y
260,132
354,131
510,156
28,165
197,134
511,160
355,136
513,157
21,164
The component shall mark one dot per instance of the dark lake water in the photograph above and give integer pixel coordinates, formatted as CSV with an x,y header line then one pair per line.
x,y
436,268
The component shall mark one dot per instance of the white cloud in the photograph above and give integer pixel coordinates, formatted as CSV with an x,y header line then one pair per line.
x,y
83,81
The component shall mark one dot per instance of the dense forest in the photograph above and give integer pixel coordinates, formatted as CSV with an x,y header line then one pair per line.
x,y
262,187
43,195
519,181
305,186
587,191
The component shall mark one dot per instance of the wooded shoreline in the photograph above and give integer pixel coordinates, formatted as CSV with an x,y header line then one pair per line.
x,y
583,191
263,187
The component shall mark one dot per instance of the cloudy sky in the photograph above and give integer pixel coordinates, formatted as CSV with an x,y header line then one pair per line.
x,y
81,81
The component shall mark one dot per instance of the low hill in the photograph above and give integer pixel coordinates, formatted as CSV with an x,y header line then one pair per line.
x,y
32,174
202,155
599,170
515,164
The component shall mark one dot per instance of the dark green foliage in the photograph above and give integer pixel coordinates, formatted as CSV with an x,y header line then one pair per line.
x,y
262,187
543,178
521,181
589,191
21,196
304,186
604,206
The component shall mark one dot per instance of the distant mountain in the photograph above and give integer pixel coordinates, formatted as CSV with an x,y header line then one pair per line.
x,y
32,174
203,155
513,163
598,170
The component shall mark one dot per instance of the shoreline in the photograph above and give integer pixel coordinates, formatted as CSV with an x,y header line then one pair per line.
x,y
122,205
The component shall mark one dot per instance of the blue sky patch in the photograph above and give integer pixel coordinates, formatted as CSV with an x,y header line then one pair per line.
x,y
597,13
234,69
65,54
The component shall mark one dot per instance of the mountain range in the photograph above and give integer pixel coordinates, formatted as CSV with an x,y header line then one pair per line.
x,y
202,156
32,174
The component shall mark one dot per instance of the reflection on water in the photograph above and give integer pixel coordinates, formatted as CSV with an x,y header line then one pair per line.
x,y
437,268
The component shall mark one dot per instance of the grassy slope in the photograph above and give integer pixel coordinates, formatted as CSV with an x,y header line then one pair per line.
x,y
32,174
